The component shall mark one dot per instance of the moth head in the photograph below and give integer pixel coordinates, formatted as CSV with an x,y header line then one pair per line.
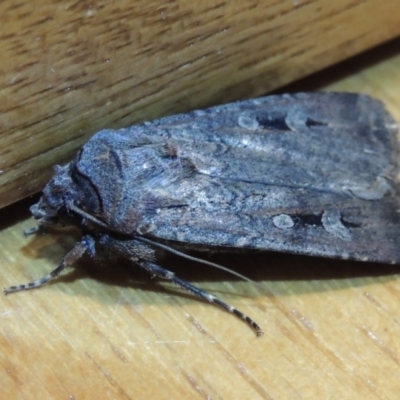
x,y
52,205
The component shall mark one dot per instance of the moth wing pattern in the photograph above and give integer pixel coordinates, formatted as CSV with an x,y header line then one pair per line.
x,y
306,173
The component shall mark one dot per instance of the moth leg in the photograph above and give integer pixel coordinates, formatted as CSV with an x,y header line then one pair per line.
x,y
32,230
86,245
169,275
44,227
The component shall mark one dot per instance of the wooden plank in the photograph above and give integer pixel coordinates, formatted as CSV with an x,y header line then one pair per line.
x,y
331,328
71,68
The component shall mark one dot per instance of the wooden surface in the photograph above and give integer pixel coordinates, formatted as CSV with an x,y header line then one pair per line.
x,y
71,68
331,328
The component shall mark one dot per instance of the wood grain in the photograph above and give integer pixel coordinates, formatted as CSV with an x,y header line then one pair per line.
x,y
71,68
331,328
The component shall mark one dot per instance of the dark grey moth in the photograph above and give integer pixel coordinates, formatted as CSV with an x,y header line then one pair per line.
x,y
310,173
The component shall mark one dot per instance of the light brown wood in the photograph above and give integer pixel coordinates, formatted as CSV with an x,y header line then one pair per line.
x,y
71,68
331,328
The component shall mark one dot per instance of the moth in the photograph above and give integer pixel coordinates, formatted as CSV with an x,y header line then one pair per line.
x,y
307,173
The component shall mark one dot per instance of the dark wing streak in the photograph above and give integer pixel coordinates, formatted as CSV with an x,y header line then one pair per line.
x,y
315,189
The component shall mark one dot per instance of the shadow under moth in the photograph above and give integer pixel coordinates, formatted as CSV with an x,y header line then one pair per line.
x,y
308,173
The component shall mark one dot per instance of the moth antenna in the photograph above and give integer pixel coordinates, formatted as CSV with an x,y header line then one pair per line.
x,y
199,260
164,247
84,214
